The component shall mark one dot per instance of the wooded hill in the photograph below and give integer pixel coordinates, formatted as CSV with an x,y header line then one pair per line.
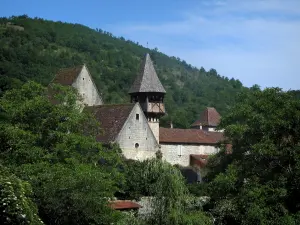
x,y
39,50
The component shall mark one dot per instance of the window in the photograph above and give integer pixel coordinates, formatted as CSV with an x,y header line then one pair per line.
x,y
180,150
82,78
137,116
136,145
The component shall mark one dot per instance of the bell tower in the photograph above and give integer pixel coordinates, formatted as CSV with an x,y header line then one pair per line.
x,y
149,92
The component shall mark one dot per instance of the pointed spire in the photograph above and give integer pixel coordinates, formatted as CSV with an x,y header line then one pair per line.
x,y
147,80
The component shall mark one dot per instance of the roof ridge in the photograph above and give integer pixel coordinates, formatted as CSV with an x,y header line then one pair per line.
x,y
110,105
188,129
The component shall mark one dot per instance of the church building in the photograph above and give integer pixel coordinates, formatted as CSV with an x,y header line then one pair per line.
x,y
135,126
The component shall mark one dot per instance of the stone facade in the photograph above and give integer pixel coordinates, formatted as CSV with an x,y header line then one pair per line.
x,y
87,89
154,126
136,127
136,138
180,153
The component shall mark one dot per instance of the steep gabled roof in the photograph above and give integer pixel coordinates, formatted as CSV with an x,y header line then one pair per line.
x,y
67,76
147,80
111,118
189,136
209,117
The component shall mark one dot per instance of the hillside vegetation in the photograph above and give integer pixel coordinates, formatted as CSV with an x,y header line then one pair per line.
x,y
43,47
53,171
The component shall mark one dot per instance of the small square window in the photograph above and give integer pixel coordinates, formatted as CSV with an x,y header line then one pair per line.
x,y
137,116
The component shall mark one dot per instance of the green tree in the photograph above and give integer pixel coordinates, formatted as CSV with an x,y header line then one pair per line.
x,y
48,142
164,185
16,206
259,182
44,47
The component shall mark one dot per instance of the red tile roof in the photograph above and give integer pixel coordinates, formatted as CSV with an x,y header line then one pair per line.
x,y
124,204
111,118
209,117
67,76
189,136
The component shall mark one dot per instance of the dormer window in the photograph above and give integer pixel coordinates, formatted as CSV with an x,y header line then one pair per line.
x,y
137,116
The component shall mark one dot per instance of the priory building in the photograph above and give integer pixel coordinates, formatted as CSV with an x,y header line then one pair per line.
x,y
135,125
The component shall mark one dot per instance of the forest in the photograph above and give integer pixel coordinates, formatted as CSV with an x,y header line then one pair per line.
x,y
43,47
53,171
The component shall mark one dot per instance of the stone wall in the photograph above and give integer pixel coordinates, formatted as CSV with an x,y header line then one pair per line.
x,y
136,138
180,153
154,125
86,87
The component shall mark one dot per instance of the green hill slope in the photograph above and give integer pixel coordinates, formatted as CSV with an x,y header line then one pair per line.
x,y
38,51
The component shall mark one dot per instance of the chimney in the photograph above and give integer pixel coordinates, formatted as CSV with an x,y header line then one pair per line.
x,y
171,125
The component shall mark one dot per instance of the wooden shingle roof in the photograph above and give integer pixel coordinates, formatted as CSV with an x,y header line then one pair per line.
x,y
67,76
111,118
209,117
189,136
147,80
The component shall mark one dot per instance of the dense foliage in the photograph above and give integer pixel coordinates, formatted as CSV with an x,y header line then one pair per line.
x,y
53,148
171,202
16,206
259,182
53,171
43,47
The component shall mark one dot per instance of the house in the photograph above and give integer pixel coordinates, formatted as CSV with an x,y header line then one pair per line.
x,y
80,78
209,120
177,145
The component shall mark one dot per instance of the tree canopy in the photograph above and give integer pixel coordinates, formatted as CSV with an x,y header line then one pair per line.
x,y
43,47
49,144
259,182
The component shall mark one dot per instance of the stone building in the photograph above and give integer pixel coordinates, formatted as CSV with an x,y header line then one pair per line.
x,y
80,78
126,125
135,126
178,145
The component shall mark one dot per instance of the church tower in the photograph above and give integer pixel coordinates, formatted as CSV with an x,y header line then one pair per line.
x,y
149,92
